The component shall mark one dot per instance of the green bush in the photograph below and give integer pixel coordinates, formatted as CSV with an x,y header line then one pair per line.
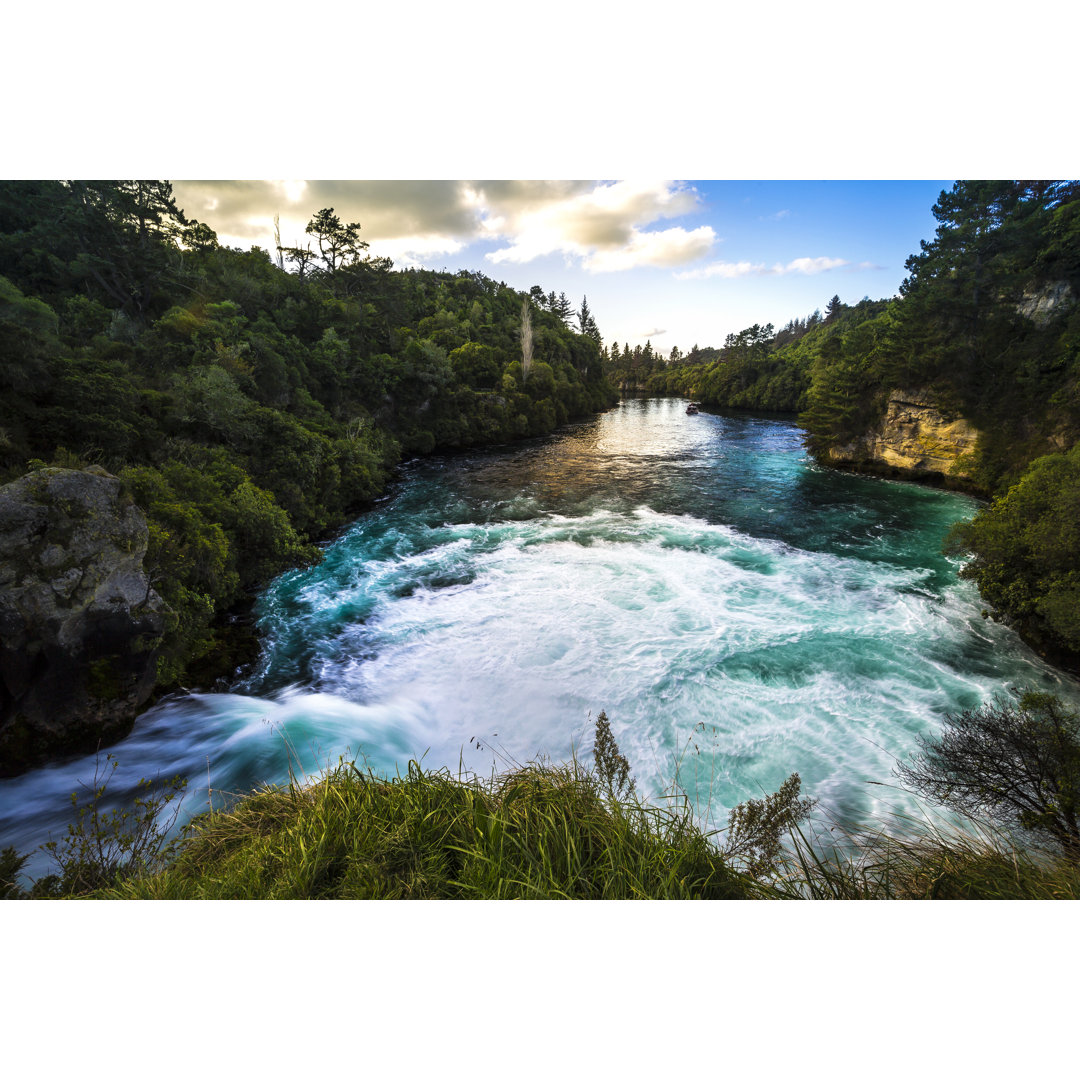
x,y
1026,548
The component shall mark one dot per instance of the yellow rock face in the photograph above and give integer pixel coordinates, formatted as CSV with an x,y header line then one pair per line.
x,y
914,438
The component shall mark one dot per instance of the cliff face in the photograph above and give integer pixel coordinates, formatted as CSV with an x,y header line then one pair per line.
x,y
79,623
913,440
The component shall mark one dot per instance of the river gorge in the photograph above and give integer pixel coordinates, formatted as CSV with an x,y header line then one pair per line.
x,y
738,611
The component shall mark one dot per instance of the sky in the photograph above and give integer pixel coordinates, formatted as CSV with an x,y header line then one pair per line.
x,y
674,262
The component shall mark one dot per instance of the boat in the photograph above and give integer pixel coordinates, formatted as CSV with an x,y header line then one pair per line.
x,y
693,407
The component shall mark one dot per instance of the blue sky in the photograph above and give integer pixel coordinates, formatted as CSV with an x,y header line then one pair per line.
x,y
674,262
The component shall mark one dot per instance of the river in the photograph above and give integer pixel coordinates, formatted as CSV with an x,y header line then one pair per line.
x,y
738,611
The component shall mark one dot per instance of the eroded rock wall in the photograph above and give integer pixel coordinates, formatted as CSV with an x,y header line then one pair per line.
x,y
914,440
80,625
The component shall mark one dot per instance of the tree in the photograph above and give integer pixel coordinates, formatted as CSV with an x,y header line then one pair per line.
x,y
476,365
1007,764
587,322
199,237
300,257
560,306
118,238
960,298
833,308
339,244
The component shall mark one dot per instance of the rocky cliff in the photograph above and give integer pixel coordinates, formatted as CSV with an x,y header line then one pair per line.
x,y
79,623
913,440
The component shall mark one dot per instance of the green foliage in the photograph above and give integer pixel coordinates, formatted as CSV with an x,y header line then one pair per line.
x,y
1026,547
111,239
844,392
213,535
587,323
822,371
476,365
25,312
339,242
83,320
968,326
102,847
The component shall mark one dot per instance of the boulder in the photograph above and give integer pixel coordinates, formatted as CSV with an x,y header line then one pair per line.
x,y
80,625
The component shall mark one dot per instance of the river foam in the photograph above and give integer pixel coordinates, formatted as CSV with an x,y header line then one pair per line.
x,y
738,613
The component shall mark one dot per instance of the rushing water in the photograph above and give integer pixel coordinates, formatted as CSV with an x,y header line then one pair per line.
x,y
739,612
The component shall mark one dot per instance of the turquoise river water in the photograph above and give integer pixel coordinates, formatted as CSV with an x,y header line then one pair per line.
x,y
739,612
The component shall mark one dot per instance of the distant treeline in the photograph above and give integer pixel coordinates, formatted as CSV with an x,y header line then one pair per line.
x,y
250,409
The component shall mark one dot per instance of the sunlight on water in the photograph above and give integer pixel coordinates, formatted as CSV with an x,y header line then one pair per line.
x,y
738,612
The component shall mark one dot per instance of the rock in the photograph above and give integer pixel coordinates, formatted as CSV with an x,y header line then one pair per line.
x,y
1042,305
914,440
80,625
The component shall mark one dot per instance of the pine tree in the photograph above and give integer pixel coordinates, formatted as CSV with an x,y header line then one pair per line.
x,y
561,306
587,322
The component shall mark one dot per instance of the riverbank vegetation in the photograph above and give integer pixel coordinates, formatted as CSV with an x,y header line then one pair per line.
x,y
987,324
252,403
539,831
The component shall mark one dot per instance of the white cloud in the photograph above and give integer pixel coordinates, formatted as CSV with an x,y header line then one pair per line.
x,y
668,247
748,269
810,266
601,225
397,218
724,270
418,250
651,333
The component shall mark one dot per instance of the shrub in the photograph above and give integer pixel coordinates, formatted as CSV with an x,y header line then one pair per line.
x,y
102,848
1009,764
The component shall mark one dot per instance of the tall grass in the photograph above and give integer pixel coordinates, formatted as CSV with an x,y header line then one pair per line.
x,y
535,832
918,860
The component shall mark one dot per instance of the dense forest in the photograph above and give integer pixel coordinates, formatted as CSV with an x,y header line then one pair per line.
x,y
987,324
252,402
